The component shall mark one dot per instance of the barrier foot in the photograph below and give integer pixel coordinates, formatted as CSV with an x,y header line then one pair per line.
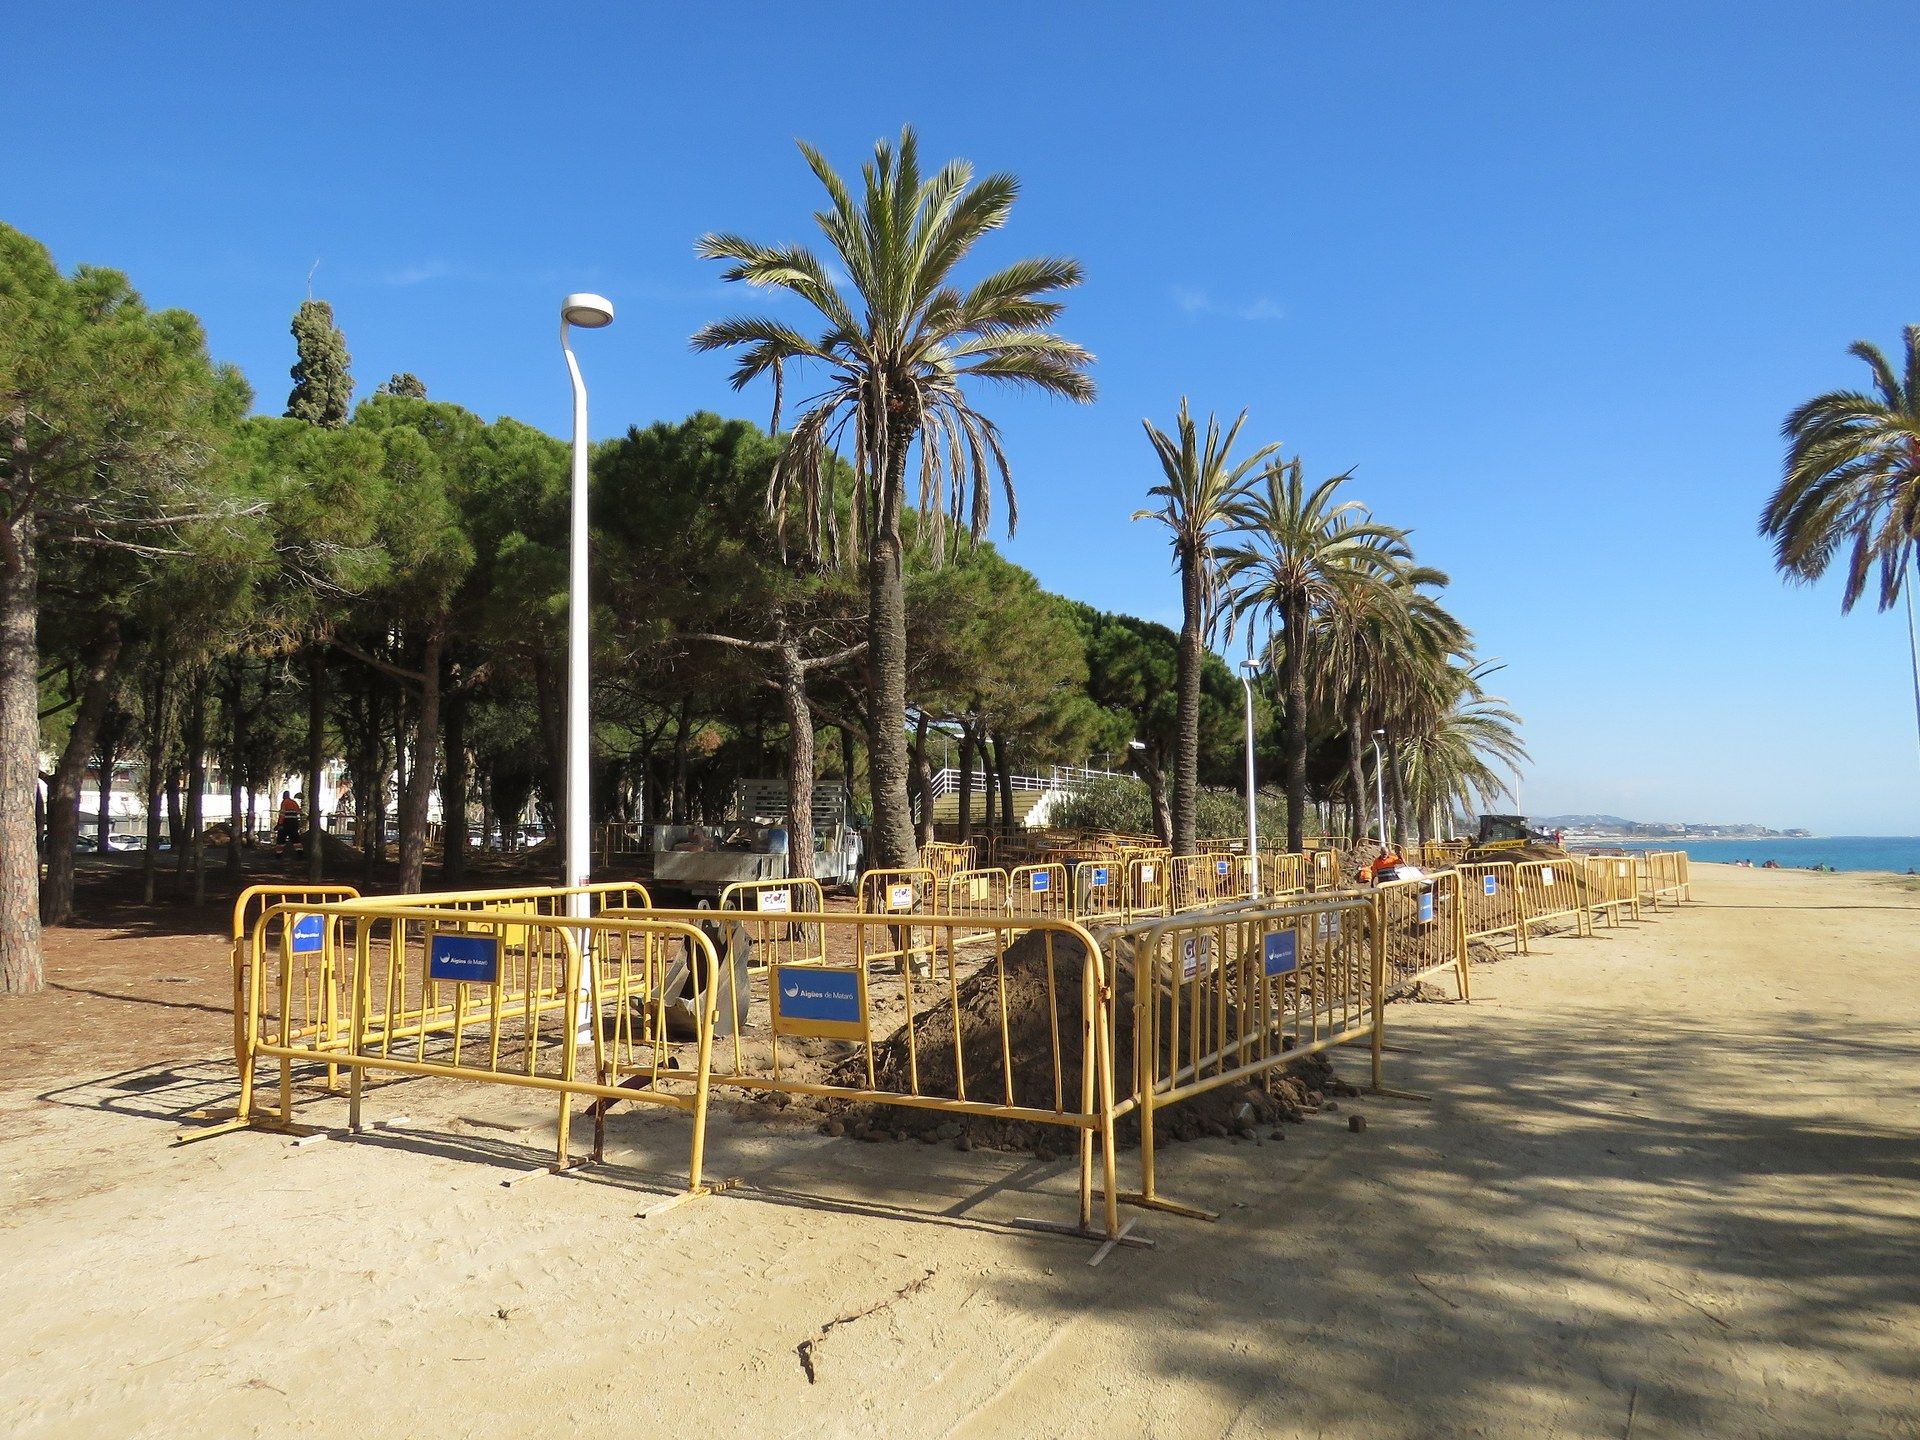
x,y
209,1132
672,1202
1171,1207
1086,1232
1388,1093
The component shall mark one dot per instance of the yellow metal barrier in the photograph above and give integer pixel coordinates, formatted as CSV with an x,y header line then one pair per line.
x,y
974,893
248,907
1099,892
1664,877
1424,927
1148,886
1227,997
1284,872
1324,869
944,858
447,1004
907,891
1613,889
1200,882
1040,892
1490,903
770,936
1552,890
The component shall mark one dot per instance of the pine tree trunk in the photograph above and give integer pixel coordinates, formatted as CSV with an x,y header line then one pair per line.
x,y
103,811
316,763
21,972
419,782
191,869
154,751
1006,779
237,768
69,776
1186,751
1293,670
800,763
453,795
966,784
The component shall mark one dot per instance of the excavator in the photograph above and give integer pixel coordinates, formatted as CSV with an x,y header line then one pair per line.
x,y
1510,837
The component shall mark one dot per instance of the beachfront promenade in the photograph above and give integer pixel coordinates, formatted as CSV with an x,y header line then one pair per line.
x,y
1667,1185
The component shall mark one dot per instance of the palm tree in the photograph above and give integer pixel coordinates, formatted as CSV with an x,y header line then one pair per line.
x,y
896,352
1297,543
1451,763
1853,478
1197,499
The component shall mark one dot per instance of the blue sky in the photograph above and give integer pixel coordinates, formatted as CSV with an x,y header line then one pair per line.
x,y
1547,277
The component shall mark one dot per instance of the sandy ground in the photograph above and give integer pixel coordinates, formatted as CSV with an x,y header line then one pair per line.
x,y
1666,1187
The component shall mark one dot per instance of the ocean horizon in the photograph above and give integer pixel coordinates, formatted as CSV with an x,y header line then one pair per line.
x,y
1895,854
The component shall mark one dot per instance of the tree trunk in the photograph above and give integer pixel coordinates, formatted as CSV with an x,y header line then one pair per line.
x,y
848,758
793,694
966,783
923,780
1293,672
419,782
194,741
680,807
237,767
1156,779
1186,750
453,795
153,727
21,972
1356,761
1006,779
892,836
69,775
103,814
1396,799
316,763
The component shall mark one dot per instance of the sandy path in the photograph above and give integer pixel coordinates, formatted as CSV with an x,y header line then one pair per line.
x,y
1667,1183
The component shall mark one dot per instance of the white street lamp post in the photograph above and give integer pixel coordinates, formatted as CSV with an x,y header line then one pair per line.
x,y
589,312
1380,787
1247,671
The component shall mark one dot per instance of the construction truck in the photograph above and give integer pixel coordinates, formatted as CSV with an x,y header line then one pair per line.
x,y
694,871
1510,837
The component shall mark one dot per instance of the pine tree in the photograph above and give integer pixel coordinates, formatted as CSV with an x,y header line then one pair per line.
x,y
322,386
404,383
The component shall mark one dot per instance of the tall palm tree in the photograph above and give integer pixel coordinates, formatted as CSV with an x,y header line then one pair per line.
x,y
1853,478
1296,543
898,347
1451,764
1198,500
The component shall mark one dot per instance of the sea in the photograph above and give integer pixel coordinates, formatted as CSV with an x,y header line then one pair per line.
x,y
1895,853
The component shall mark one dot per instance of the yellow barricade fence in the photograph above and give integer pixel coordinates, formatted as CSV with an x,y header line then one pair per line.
x,y
1149,884
1323,869
1552,890
1283,872
248,907
1613,889
1424,927
906,891
1200,882
430,995
1227,997
1664,876
974,893
771,937
1099,892
1040,892
944,858
1490,903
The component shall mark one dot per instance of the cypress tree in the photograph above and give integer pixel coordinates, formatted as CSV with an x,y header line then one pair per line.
x,y
322,387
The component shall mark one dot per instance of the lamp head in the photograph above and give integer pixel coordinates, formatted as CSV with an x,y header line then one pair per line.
x,y
588,311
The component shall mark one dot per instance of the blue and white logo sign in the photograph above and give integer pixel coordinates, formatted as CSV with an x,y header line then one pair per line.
x,y
1426,907
472,959
1099,874
1282,952
307,934
1223,867
1489,885
1039,881
832,996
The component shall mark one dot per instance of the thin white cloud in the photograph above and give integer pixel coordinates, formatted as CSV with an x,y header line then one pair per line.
x,y
1200,302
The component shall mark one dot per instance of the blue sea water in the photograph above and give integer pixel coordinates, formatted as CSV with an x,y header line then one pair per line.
x,y
1897,853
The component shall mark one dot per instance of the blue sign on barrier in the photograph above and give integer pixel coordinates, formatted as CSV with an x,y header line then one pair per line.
x,y
821,1002
1038,881
473,959
1282,952
1099,874
1426,907
1223,867
1489,885
307,933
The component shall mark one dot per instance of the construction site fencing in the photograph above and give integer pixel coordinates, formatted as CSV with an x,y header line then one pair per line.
x,y
1225,997
1490,903
1284,872
769,935
944,858
1613,889
1442,854
975,893
1424,928
1100,892
435,993
1149,885
1200,882
1663,876
248,907
1552,892
1040,892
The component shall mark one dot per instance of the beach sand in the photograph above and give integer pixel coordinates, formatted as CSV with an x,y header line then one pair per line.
x,y
1666,1186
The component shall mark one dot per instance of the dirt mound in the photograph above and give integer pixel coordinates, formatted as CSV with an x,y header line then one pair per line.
x,y
1032,998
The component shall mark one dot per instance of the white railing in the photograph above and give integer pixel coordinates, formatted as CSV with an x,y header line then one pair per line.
x,y
1061,777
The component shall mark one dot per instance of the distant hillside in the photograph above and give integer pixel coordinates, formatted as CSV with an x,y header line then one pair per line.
x,y
1616,825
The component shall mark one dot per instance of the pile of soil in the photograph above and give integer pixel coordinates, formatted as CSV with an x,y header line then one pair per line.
x,y
1289,1094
